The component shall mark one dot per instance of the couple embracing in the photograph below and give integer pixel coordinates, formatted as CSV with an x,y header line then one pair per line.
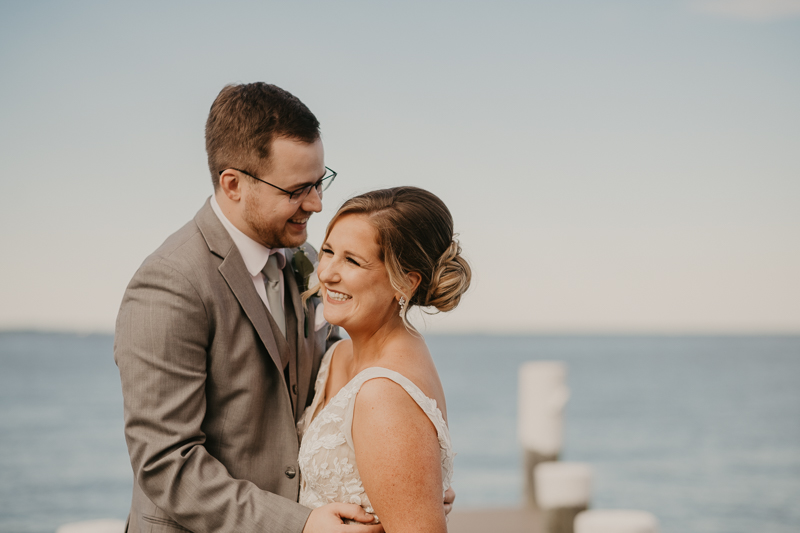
x,y
244,409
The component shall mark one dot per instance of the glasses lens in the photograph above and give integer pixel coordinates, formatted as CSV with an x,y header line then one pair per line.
x,y
300,194
327,180
297,196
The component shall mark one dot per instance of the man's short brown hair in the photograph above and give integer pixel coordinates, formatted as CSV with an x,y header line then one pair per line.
x,y
246,118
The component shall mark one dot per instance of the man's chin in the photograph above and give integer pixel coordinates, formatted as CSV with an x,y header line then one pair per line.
x,y
293,241
284,241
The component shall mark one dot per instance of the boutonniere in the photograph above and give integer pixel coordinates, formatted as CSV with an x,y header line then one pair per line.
x,y
303,270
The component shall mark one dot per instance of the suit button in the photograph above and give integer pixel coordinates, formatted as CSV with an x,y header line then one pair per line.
x,y
294,388
290,472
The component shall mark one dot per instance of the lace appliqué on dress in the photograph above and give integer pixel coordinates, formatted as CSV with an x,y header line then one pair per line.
x,y
328,468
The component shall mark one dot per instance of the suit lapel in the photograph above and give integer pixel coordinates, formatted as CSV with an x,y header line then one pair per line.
x,y
238,278
240,282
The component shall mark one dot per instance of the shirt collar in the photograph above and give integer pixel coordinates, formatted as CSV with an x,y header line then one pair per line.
x,y
254,253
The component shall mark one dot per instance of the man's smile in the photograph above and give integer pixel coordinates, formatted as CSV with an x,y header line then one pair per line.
x,y
299,221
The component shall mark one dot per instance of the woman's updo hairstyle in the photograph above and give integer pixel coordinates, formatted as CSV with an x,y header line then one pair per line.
x,y
415,234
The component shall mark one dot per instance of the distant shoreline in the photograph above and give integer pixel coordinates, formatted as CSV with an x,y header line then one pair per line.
x,y
505,335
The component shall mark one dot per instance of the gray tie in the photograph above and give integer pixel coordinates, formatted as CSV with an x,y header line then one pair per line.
x,y
273,284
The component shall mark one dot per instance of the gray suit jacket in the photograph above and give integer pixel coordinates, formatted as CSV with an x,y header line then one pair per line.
x,y
208,417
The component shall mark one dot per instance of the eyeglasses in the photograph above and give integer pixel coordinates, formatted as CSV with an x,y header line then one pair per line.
x,y
298,195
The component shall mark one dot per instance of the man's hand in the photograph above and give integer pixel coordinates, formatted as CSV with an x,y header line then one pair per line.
x,y
449,498
328,519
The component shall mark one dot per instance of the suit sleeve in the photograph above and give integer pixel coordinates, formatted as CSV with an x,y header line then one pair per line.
x,y
160,346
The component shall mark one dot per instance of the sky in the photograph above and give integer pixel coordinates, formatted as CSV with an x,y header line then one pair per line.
x,y
611,166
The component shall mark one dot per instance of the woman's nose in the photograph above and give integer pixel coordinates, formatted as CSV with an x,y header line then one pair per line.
x,y
326,271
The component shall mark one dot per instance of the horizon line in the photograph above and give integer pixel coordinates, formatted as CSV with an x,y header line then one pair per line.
x,y
485,333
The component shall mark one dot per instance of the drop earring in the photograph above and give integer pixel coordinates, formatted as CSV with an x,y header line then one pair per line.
x,y
402,303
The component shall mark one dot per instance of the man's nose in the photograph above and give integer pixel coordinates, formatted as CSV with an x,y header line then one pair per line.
x,y
312,203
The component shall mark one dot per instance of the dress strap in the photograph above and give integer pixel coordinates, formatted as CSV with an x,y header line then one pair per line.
x,y
428,405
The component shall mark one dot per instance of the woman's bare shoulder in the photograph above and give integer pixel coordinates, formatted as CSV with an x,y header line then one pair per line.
x,y
384,406
414,361
416,368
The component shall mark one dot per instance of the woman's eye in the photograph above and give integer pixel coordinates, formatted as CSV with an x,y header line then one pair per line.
x,y
353,261
327,251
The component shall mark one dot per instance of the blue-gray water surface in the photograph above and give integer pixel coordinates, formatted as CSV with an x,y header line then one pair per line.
x,y
704,432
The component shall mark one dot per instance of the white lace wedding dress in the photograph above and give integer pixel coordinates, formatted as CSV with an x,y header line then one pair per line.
x,y
328,468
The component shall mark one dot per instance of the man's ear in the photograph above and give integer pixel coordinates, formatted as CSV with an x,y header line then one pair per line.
x,y
230,183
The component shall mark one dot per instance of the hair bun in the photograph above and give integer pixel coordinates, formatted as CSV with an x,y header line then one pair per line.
x,y
450,280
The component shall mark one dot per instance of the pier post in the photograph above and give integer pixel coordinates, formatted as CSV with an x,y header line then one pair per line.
x,y
542,396
563,490
615,521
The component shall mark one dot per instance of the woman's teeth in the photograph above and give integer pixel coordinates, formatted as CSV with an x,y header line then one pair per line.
x,y
337,296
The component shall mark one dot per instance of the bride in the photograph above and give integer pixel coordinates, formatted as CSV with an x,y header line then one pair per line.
x,y
376,433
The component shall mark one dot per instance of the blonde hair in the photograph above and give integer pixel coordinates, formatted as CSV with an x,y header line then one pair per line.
x,y
415,234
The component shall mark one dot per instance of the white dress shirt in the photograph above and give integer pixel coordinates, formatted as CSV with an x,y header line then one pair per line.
x,y
254,254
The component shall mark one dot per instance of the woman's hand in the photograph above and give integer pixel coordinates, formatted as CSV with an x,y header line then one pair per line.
x,y
449,498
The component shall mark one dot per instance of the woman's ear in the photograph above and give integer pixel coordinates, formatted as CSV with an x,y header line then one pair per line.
x,y
414,279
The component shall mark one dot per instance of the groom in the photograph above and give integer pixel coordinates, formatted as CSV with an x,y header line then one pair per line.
x,y
216,352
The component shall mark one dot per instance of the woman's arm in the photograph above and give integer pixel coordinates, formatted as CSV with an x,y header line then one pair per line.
x,y
398,457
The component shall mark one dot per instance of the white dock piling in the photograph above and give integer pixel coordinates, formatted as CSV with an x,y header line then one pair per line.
x,y
540,420
563,489
615,521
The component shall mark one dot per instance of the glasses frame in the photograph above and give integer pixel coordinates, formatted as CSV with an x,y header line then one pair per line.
x,y
320,185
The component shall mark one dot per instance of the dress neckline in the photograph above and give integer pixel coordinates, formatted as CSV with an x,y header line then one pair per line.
x,y
317,405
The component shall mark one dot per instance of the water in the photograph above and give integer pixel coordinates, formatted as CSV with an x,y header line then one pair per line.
x,y
62,450
702,431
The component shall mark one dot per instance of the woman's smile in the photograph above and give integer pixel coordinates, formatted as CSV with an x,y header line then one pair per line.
x,y
337,297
